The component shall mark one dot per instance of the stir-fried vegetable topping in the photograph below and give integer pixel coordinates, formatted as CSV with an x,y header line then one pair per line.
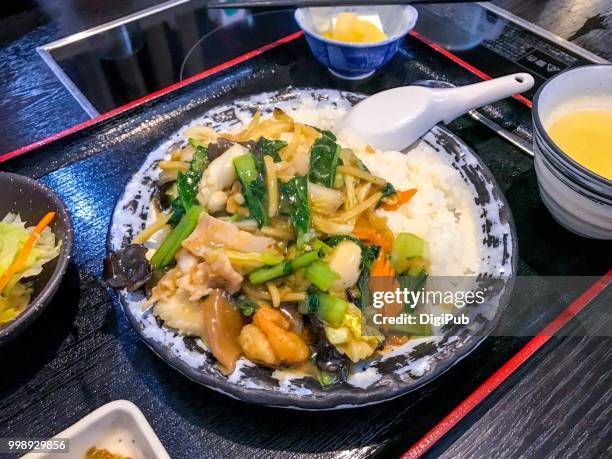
x,y
247,307
368,255
400,198
366,232
279,268
332,366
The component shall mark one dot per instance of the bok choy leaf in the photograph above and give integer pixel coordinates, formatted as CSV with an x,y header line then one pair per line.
x,y
294,204
187,183
265,147
249,171
324,159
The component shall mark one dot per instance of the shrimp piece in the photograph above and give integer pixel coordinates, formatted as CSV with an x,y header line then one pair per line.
x,y
256,346
289,347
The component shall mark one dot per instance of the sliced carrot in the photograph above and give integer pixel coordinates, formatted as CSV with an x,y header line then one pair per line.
x,y
372,236
378,266
383,280
380,225
401,197
22,256
381,267
364,231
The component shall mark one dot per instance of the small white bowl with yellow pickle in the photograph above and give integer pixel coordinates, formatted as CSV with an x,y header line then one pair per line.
x,y
572,117
354,42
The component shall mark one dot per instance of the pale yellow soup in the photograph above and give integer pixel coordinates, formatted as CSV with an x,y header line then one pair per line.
x,y
586,137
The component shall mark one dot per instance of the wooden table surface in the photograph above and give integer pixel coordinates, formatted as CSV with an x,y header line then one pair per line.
x,y
557,405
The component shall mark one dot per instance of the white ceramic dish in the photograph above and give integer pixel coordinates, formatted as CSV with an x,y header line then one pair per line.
x,y
118,426
577,198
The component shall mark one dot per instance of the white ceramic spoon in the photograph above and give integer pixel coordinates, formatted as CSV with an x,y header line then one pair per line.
x,y
396,118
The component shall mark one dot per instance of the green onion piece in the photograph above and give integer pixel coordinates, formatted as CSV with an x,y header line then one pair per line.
x,y
321,275
266,273
328,308
166,251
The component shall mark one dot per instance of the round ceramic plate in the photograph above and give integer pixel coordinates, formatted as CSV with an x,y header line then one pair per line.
x,y
374,381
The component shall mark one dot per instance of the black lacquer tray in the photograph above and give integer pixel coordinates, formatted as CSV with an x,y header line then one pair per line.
x,y
83,353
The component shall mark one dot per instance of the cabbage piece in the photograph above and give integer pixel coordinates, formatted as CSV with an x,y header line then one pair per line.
x,y
45,250
14,302
349,339
13,234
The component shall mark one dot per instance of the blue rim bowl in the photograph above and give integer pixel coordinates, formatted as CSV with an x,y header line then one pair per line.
x,y
355,61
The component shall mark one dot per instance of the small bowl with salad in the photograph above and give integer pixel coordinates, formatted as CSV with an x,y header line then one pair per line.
x,y
35,244
354,42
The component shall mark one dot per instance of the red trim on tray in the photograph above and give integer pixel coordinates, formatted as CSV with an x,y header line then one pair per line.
x,y
154,95
464,64
507,369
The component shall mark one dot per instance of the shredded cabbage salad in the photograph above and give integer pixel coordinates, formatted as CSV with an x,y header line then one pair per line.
x,y
13,234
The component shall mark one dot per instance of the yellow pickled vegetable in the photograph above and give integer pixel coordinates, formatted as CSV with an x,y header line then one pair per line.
x,y
349,28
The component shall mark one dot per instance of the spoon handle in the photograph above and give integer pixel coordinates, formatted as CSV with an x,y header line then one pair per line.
x,y
457,101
